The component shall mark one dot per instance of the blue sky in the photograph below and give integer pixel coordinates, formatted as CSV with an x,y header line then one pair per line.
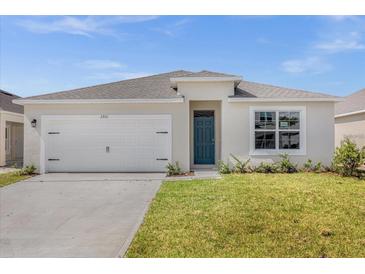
x,y
52,53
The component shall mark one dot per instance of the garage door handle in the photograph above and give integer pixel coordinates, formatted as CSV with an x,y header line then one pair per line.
x,y
53,159
161,159
162,132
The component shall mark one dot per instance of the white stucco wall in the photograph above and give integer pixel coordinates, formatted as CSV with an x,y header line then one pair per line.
x,y
352,126
319,131
234,128
6,116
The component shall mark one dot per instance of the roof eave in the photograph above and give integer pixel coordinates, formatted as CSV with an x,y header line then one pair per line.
x,y
350,113
97,101
300,99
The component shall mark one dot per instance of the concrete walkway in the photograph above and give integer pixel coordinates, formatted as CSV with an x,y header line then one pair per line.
x,y
4,170
74,215
198,175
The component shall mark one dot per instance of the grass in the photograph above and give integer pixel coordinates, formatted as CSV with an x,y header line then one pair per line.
x,y
11,178
256,215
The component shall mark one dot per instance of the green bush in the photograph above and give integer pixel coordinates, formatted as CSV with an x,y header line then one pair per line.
x,y
173,169
223,168
309,166
348,157
267,168
318,167
286,165
240,166
28,170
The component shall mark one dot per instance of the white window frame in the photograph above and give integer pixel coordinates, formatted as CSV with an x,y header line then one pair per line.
x,y
302,130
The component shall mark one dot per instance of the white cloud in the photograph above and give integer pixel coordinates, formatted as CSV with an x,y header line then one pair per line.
x,y
173,29
101,64
343,18
344,43
85,26
313,65
263,40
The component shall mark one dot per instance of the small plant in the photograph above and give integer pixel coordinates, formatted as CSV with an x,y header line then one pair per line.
x,y
286,165
173,169
267,168
27,170
308,165
223,168
240,166
318,167
348,157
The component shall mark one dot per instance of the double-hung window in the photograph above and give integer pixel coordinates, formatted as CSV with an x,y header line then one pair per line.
x,y
277,130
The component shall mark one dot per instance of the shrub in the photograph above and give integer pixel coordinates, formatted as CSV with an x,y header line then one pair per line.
x,y
223,168
27,170
285,165
240,166
318,167
173,169
267,168
348,157
310,166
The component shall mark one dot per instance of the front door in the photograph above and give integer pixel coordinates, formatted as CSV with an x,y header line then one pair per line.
x,y
204,139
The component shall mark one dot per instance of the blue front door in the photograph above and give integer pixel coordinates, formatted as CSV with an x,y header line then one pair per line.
x,y
204,139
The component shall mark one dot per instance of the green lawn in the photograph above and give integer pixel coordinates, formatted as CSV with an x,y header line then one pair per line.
x,y
10,178
256,215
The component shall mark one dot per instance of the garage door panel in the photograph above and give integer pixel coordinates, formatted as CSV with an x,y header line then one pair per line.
x,y
122,143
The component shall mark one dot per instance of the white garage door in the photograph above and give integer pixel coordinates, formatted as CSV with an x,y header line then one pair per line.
x,y
114,143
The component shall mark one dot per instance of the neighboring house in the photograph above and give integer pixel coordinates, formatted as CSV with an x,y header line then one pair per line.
x,y
11,130
196,119
350,119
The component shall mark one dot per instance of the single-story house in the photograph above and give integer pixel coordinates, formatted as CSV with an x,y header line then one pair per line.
x,y
197,119
11,130
350,119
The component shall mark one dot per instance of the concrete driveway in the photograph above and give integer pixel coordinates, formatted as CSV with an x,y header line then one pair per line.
x,y
74,215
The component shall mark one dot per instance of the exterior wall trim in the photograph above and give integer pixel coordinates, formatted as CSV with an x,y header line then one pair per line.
x,y
350,113
97,101
239,100
11,113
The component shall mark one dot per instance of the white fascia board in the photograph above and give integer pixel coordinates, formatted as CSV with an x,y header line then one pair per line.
x,y
11,113
98,101
205,79
238,100
350,113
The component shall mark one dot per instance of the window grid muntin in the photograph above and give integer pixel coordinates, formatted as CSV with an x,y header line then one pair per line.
x,y
277,129
266,121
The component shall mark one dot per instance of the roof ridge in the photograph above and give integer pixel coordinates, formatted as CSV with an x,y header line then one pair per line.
x,y
218,74
109,83
8,93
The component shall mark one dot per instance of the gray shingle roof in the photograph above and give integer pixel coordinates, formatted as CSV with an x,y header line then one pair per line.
x,y
352,103
159,87
206,73
6,103
150,87
256,90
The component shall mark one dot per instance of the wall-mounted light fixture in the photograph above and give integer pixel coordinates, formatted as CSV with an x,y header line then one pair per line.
x,y
34,123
